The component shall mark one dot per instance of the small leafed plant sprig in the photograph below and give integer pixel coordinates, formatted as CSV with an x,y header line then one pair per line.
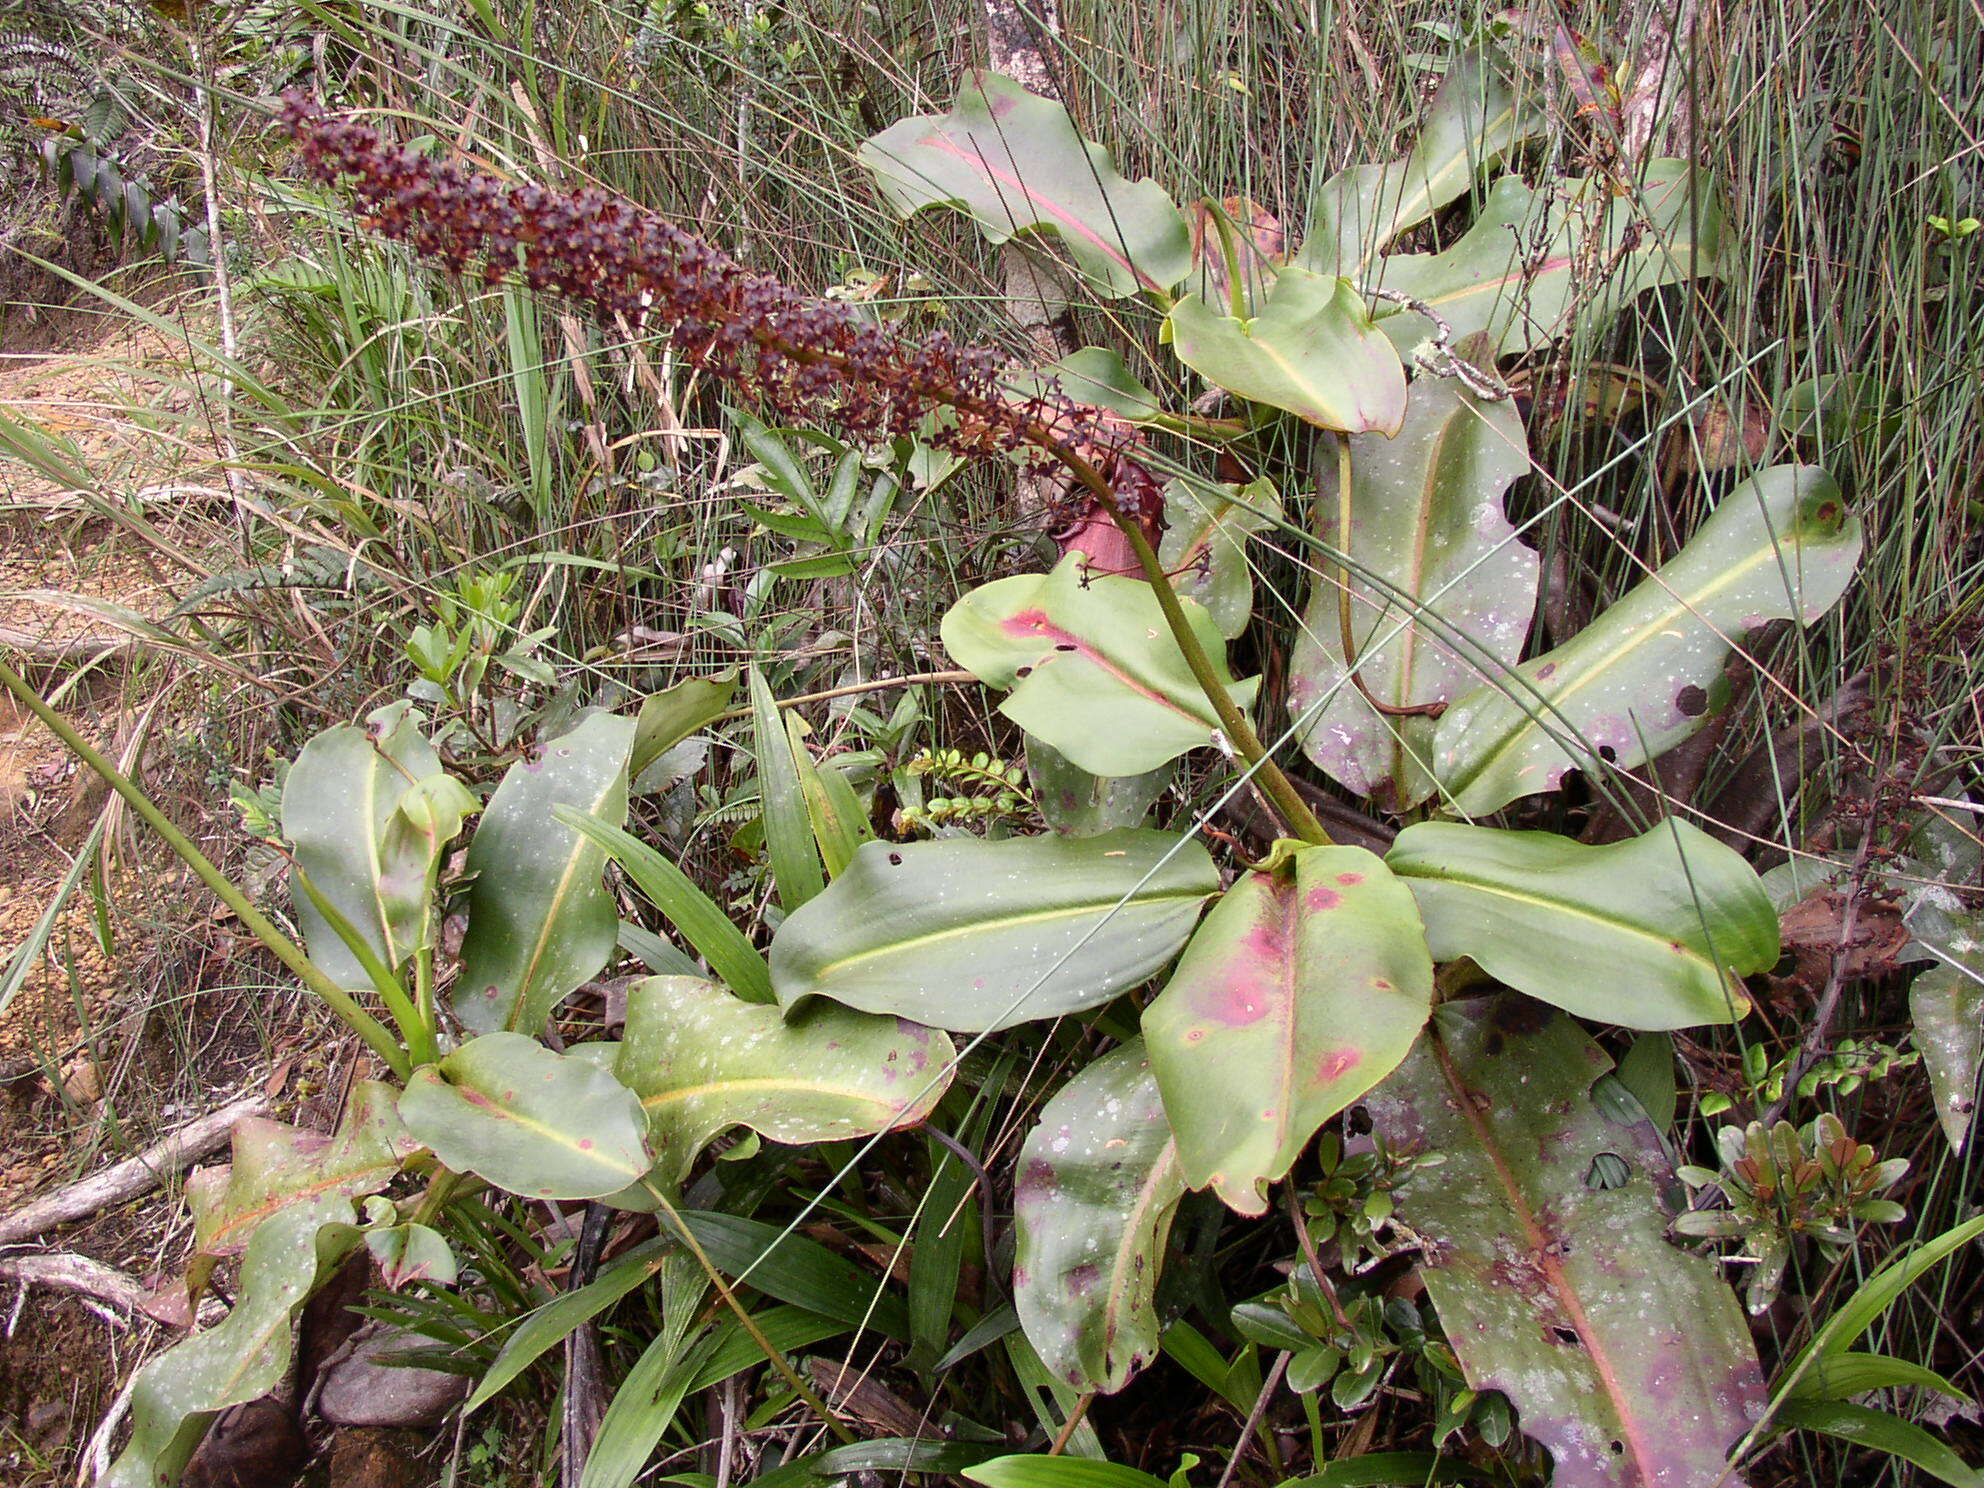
x,y
800,357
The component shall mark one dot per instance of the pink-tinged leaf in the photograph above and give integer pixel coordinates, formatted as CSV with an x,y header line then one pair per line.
x,y
1304,988
1015,162
1627,1359
1097,1188
275,1166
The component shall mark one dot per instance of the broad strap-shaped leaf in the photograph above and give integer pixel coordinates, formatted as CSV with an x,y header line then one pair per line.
x,y
1016,163
703,1060
176,1395
1097,1189
1205,545
540,921
1652,932
1095,375
1539,262
1441,592
1946,1002
372,861
274,1166
1304,988
1647,673
668,717
538,1123
1078,804
1627,1359
1472,122
1091,666
969,935
1313,351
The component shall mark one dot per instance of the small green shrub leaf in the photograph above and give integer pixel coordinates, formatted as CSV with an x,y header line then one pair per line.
x,y
540,1124
1313,351
1647,673
1098,1186
1439,588
1628,1360
540,921
1302,990
1091,666
703,1060
1651,932
964,934
1016,163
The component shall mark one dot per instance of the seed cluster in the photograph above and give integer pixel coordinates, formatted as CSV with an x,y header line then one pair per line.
x,y
802,358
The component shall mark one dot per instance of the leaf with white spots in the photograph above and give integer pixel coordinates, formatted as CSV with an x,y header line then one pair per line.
x,y
538,1123
1441,592
1652,932
1628,1360
1648,672
1946,1002
1097,1189
968,935
1304,988
176,1395
703,1060
540,920
1091,665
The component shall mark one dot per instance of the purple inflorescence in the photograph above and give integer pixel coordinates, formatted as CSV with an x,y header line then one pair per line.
x,y
801,357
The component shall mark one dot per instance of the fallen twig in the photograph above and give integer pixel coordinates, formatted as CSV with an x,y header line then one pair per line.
x,y
133,1176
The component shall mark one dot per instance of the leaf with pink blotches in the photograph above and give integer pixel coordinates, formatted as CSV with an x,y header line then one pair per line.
x,y
1305,987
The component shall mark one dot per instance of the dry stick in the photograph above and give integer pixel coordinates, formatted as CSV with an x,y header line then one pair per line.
x,y
133,1176
74,1273
1254,1417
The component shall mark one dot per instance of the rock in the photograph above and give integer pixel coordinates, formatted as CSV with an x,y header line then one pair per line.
x,y
377,1457
257,1445
360,1390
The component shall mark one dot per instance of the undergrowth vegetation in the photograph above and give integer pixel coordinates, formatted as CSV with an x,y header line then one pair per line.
x,y
1254,761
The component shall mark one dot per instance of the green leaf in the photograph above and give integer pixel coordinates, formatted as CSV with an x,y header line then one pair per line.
x,y
1392,1470
1844,1375
1058,1472
1304,988
667,718
967,934
1946,1003
1523,273
1884,1433
795,857
341,811
1638,933
1097,1188
176,1395
539,1124
540,921
411,1252
1647,673
1092,668
700,919
274,1166
1205,545
797,1270
838,820
1646,1069
1628,1360
546,1327
1441,592
1078,804
1015,162
1870,1301
1313,351
1473,121
1095,375
703,1061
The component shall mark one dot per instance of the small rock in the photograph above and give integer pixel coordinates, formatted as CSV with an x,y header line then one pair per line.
x,y
257,1445
359,1390
376,1457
